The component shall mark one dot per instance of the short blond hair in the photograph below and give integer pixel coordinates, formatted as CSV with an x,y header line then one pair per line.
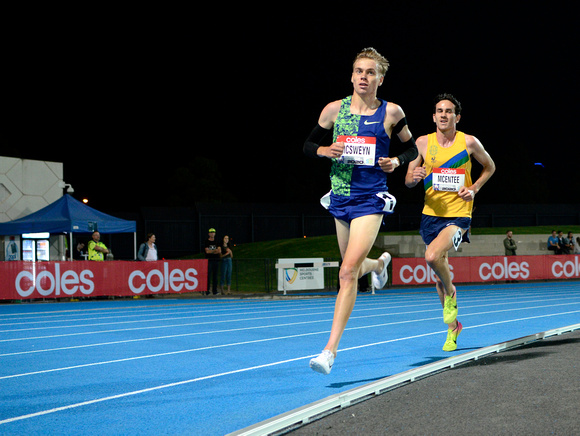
x,y
371,53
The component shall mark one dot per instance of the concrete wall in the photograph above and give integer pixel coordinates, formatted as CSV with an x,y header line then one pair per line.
x,y
27,186
481,245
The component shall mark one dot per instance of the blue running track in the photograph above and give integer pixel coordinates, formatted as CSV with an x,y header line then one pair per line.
x,y
213,366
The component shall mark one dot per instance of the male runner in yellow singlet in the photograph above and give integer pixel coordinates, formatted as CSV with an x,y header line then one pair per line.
x,y
444,165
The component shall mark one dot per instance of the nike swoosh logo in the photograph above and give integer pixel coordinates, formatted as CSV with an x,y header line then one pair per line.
x,y
368,123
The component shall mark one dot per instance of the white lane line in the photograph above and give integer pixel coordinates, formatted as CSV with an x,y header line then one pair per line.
x,y
463,307
128,359
142,391
182,315
253,327
184,382
298,305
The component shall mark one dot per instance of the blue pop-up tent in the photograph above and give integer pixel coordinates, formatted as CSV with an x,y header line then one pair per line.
x,y
67,215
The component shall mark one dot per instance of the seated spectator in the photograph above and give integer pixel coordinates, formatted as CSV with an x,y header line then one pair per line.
x,y
553,244
563,243
568,244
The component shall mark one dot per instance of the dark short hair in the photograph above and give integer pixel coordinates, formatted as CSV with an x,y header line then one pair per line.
x,y
449,97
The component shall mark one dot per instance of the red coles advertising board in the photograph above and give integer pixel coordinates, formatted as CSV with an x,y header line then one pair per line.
x,y
27,280
415,271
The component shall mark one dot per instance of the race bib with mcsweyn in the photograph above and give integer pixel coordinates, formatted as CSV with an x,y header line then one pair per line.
x,y
358,150
448,179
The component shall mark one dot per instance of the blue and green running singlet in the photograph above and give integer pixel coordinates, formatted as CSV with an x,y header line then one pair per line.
x,y
357,172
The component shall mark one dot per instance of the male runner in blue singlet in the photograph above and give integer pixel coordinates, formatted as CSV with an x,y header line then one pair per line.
x,y
362,127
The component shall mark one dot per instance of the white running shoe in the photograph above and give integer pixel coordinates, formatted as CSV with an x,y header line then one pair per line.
x,y
323,363
380,280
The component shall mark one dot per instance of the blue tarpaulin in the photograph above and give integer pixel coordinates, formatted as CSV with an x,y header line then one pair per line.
x,y
67,215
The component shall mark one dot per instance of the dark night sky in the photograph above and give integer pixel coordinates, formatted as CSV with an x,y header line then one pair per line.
x,y
136,102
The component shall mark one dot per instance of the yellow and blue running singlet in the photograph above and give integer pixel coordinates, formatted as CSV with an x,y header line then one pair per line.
x,y
448,169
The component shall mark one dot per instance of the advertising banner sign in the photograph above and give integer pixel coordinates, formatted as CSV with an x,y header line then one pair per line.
x,y
415,271
28,280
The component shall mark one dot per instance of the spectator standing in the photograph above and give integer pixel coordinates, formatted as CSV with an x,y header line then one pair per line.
x,y
226,266
97,249
212,254
148,249
509,244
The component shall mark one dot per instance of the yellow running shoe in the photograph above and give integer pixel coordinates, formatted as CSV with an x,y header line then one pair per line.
x,y
450,309
451,342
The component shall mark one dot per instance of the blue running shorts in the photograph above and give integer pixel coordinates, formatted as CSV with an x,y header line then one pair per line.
x,y
348,208
431,226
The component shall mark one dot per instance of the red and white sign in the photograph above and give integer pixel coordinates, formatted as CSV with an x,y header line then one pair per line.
x,y
358,150
24,280
448,179
415,271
